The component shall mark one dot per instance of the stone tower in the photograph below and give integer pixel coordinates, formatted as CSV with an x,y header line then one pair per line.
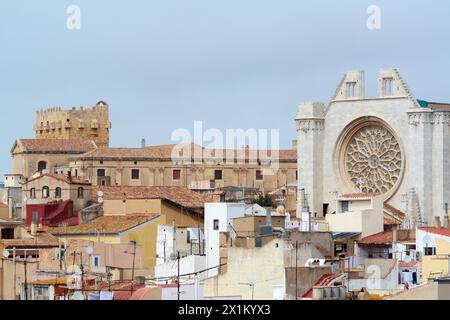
x,y
82,123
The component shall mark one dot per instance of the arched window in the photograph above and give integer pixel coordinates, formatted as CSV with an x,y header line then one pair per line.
x,y
80,193
45,192
32,193
58,193
42,165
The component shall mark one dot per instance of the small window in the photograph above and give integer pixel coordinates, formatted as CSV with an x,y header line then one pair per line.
x,y
101,172
176,174
388,86
344,206
135,163
45,192
80,193
296,174
76,172
58,193
429,251
259,175
216,224
96,261
101,162
351,92
32,193
42,165
135,174
218,174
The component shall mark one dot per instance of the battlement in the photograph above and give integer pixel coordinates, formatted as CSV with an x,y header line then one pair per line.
x,y
75,123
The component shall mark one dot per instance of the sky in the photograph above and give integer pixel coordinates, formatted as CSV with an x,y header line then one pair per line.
x,y
161,65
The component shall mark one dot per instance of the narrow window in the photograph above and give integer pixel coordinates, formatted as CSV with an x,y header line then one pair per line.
x,y
135,174
42,165
344,206
45,192
259,175
216,224
218,174
58,193
32,193
176,174
80,193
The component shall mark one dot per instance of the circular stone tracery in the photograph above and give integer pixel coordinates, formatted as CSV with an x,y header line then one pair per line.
x,y
373,160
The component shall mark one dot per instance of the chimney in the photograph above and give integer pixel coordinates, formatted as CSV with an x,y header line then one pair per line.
x,y
34,223
437,222
69,176
294,144
143,143
10,206
268,218
446,222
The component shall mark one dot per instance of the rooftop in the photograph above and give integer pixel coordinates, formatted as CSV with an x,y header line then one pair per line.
x,y
179,195
74,146
105,225
383,238
434,230
188,151
42,239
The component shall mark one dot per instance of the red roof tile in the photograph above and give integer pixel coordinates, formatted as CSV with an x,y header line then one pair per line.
x,y
178,195
56,145
439,231
403,264
386,238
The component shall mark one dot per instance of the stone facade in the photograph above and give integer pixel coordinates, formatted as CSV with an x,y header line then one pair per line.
x,y
391,144
83,123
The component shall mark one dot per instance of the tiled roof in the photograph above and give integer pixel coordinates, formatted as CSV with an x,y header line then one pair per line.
x,y
42,239
75,146
121,289
434,230
181,152
403,264
63,178
386,238
104,225
439,106
178,195
392,215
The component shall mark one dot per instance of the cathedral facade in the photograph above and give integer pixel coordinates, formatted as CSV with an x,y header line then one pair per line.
x,y
392,145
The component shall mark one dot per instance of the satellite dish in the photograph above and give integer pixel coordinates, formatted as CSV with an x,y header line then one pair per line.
x,y
89,250
100,194
407,259
5,254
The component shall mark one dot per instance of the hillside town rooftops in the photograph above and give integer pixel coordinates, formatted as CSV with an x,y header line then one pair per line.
x,y
179,195
68,146
42,239
113,224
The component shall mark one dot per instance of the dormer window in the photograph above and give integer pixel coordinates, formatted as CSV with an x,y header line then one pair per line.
x,y
351,89
388,86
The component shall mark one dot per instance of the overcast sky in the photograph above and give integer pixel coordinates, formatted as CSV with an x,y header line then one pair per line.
x,y
161,65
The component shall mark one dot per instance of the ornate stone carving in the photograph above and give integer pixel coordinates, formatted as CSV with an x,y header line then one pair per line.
x,y
373,160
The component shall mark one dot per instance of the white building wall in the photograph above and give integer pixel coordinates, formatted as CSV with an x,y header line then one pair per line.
x,y
224,213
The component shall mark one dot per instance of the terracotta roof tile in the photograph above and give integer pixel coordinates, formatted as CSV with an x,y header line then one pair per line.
x,y
184,152
178,195
434,230
104,225
42,239
392,215
57,145
403,264
386,238
63,178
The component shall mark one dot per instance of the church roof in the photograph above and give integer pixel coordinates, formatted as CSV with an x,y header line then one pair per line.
x,y
69,146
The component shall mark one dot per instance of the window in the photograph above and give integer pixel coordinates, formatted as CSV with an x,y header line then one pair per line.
x,y
7,233
388,86
176,174
135,174
296,174
259,175
101,172
351,92
218,174
76,172
429,251
45,192
344,206
96,261
80,193
216,224
32,193
58,193
42,165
